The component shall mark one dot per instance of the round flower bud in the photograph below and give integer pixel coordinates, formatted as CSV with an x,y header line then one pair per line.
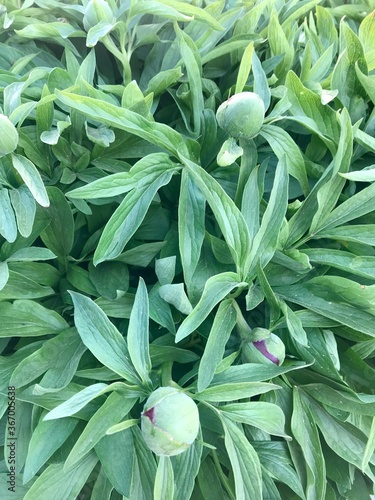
x,y
242,115
269,350
9,136
169,421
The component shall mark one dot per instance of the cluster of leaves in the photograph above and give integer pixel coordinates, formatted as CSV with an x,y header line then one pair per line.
x,y
130,260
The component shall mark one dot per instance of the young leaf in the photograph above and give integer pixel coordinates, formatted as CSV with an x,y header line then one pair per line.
x,y
164,485
305,432
191,216
101,337
244,461
229,218
128,217
110,413
138,336
266,239
266,416
222,327
216,288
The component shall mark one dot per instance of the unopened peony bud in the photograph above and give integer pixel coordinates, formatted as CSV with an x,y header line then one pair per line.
x,y
242,115
169,421
269,350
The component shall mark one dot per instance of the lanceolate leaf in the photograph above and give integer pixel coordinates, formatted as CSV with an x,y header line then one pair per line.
x,y
215,290
244,461
102,337
101,111
138,338
128,217
191,215
230,219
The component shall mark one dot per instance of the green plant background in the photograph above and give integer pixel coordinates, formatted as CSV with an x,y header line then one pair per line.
x,y
130,260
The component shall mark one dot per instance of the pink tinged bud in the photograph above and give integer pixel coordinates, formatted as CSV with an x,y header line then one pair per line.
x,y
268,350
169,422
261,346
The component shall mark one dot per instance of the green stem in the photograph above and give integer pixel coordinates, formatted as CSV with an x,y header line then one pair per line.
x,y
222,476
166,374
248,162
122,56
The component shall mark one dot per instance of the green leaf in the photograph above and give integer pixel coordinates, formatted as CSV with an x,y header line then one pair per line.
x,y
164,485
175,295
294,325
138,336
31,254
353,264
279,45
370,446
110,278
222,327
128,217
365,175
190,461
322,296
165,269
157,133
266,416
282,144
305,103
4,274
266,239
24,207
9,136
357,233
116,454
110,413
229,218
232,391
60,484
244,69
101,337
306,434
191,216
59,234
244,461
342,437
192,63
57,358
77,402
8,226
47,437
30,319
193,11
216,288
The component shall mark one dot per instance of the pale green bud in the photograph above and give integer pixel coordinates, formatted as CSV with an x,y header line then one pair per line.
x,y
268,350
8,136
242,115
169,421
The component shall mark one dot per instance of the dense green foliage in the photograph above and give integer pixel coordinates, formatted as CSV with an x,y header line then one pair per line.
x,y
141,246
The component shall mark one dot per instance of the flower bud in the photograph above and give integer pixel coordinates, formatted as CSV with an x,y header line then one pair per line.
x,y
169,421
269,350
97,11
242,115
8,136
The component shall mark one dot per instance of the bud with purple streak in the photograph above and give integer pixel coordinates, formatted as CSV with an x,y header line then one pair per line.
x,y
169,421
267,350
